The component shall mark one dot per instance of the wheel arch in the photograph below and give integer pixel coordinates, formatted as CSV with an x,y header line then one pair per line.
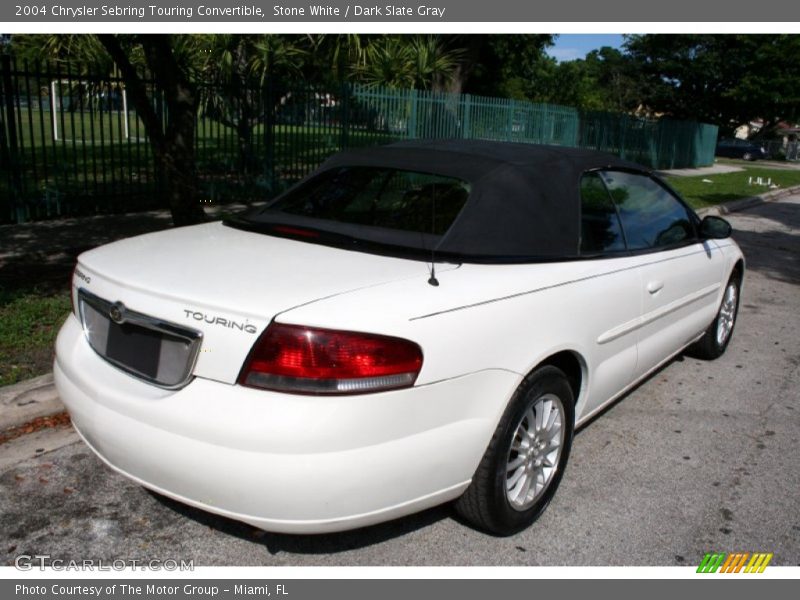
x,y
575,368
738,271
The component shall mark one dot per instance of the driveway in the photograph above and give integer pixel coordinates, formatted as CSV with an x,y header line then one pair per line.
x,y
701,457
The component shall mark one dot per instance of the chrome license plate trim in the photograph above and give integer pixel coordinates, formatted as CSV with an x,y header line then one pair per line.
x,y
118,313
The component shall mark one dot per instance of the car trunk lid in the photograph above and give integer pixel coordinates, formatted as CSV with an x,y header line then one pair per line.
x,y
225,284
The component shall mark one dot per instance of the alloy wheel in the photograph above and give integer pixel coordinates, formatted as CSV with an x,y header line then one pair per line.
x,y
727,314
535,451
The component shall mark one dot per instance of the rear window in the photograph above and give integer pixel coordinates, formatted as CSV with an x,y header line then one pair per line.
x,y
379,197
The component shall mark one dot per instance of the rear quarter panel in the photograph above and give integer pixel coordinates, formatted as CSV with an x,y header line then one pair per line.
x,y
507,317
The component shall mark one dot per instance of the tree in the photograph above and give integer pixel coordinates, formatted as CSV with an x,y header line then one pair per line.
x,y
172,138
727,80
388,62
419,61
614,80
567,83
478,64
331,58
602,81
234,70
502,65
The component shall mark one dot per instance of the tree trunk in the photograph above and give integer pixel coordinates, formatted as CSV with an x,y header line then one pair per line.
x,y
178,177
179,157
173,146
466,64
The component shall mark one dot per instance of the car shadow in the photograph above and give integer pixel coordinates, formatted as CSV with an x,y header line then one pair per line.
x,y
678,358
311,544
774,252
780,260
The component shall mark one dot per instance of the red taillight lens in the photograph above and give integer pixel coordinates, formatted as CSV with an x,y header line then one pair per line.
x,y
291,358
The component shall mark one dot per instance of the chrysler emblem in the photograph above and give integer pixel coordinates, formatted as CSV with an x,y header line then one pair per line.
x,y
117,312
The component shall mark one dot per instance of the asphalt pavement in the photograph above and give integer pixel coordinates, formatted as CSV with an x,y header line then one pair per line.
x,y
703,456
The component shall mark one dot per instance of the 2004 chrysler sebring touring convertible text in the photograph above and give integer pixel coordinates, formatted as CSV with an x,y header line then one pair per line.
x,y
411,324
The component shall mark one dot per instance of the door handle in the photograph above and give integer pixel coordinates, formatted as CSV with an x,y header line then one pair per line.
x,y
655,286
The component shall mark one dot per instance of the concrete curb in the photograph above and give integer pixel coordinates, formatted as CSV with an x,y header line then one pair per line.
x,y
745,203
28,400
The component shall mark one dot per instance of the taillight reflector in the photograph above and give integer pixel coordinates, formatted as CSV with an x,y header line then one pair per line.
x,y
306,360
295,231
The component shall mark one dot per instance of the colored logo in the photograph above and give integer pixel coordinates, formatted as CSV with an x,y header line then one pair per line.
x,y
735,562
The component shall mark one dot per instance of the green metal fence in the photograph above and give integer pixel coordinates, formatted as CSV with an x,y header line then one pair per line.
x,y
660,144
71,144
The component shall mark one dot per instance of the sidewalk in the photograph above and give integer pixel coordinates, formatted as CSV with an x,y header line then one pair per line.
x,y
28,400
745,203
719,168
714,169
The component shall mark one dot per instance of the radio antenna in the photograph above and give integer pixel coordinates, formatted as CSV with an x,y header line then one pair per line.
x,y
432,279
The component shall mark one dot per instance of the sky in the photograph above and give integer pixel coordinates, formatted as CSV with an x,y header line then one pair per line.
x,y
578,45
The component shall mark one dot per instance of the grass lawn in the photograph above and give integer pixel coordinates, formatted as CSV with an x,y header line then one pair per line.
x,y
730,186
29,323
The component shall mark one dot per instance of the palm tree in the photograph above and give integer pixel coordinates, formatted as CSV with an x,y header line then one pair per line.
x,y
434,64
423,62
388,62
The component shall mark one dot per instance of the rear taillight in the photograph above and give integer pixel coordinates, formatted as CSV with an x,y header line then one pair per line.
x,y
305,360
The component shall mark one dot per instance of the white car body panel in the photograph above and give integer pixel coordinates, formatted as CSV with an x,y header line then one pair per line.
x,y
376,456
236,275
514,304
679,299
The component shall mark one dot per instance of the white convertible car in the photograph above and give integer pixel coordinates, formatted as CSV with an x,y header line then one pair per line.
x,y
409,325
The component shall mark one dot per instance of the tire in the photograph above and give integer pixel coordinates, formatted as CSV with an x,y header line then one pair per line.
x,y
488,503
716,338
748,156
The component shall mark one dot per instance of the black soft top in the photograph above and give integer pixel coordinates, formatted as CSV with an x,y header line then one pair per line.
x,y
524,202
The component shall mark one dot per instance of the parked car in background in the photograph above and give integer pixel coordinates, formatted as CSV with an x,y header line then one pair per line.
x,y
411,324
744,149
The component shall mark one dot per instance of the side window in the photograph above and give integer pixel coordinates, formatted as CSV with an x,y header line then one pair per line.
x,y
651,216
600,229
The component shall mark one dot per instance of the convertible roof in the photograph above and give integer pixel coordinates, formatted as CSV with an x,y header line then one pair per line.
x,y
524,202
525,198
474,159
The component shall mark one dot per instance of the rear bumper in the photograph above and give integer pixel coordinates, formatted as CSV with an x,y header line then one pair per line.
x,y
295,464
